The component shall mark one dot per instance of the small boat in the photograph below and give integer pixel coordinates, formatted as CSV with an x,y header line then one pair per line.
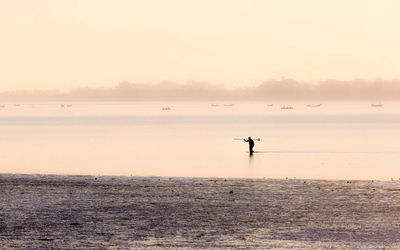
x,y
214,105
166,108
62,106
229,105
314,105
287,107
2,106
69,105
376,105
270,105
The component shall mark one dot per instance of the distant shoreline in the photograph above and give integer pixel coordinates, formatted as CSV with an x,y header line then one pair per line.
x,y
270,90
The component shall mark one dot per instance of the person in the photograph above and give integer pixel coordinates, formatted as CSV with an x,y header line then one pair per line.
x,y
251,144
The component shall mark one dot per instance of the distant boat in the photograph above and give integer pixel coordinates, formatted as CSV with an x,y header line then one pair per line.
x,y
214,105
166,108
62,105
2,106
229,105
376,105
270,105
314,105
287,107
69,105
17,105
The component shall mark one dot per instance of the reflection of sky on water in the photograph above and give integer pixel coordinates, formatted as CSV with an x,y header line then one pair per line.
x,y
337,140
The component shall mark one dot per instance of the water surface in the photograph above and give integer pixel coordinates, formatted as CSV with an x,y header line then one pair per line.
x,y
334,141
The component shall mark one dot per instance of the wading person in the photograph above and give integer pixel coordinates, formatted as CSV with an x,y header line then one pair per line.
x,y
251,144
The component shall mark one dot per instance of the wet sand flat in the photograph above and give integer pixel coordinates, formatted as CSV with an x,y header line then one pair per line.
x,y
83,212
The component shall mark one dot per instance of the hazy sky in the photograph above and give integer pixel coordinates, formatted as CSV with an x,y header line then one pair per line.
x,y
68,43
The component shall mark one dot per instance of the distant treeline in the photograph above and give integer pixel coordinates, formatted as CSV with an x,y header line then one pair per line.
x,y
283,89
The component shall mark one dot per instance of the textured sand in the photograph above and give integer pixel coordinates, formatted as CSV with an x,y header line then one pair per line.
x,y
131,212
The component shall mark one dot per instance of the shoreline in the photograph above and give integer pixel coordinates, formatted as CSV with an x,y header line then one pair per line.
x,y
194,177
42,211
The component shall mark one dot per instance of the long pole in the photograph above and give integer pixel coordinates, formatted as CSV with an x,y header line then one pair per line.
x,y
241,139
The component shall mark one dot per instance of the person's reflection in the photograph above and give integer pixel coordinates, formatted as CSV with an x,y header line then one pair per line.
x,y
251,167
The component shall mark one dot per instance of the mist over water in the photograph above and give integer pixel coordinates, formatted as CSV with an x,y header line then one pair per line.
x,y
338,140
283,89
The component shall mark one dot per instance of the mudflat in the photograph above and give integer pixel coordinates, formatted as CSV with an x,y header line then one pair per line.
x,y
101,212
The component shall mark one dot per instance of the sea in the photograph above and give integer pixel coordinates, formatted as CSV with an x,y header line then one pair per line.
x,y
303,140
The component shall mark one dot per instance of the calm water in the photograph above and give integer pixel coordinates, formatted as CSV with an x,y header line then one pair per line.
x,y
334,141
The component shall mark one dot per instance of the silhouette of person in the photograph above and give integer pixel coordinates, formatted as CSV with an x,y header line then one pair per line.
x,y
251,145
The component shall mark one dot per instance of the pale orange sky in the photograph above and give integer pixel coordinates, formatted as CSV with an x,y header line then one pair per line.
x,y
61,44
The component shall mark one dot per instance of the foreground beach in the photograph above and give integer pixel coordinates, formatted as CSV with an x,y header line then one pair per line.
x,y
44,211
